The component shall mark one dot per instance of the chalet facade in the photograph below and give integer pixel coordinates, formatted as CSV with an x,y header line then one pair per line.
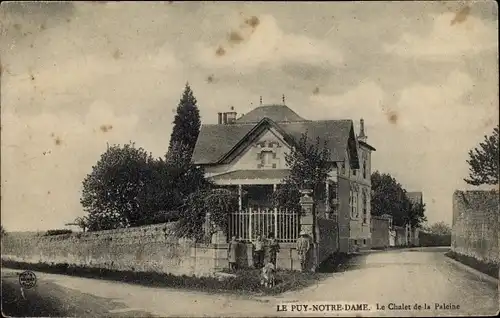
x,y
247,154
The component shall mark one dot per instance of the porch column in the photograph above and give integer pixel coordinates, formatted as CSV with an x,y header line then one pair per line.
x,y
327,199
240,201
275,215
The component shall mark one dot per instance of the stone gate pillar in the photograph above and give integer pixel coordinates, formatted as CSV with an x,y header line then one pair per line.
x,y
308,225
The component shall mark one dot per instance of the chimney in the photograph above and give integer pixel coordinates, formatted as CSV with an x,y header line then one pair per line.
x,y
219,118
362,136
231,116
224,118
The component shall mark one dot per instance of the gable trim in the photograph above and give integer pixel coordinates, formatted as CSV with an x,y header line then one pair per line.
x,y
254,133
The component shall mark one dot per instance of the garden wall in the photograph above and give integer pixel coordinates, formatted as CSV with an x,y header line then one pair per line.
x,y
431,239
153,248
476,225
327,239
380,232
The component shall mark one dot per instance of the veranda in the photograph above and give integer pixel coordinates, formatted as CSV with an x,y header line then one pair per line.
x,y
256,214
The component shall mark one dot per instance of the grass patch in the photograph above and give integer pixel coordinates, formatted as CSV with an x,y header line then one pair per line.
x,y
13,304
246,281
490,269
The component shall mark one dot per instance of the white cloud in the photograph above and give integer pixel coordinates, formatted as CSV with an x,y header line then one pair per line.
x,y
365,100
426,147
266,44
45,158
448,39
442,106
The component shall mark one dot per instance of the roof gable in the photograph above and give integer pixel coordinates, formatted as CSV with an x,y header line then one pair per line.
x,y
254,133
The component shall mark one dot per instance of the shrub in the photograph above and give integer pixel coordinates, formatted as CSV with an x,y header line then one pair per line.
x,y
218,202
57,232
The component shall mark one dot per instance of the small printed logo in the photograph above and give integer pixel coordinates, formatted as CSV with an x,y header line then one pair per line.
x,y
27,279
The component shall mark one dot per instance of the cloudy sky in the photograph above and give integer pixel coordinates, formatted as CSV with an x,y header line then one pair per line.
x,y
423,75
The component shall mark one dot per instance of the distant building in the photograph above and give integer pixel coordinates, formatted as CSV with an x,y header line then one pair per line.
x,y
416,197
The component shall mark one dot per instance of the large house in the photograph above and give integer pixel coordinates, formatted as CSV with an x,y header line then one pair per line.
x,y
247,154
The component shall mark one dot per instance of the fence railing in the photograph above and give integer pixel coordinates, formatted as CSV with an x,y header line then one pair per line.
x,y
248,224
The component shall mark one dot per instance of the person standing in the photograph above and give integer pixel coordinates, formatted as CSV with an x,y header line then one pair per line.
x,y
303,246
258,245
273,248
232,253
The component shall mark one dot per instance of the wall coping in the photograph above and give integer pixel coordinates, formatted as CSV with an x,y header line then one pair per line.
x,y
226,245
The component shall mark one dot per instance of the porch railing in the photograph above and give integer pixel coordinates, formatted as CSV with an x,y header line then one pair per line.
x,y
248,224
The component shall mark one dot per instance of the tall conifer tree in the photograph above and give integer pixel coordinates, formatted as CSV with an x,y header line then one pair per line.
x,y
186,128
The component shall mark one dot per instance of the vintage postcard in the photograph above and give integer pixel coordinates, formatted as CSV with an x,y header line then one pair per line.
x,y
249,159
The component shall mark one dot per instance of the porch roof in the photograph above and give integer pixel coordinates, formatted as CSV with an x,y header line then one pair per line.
x,y
264,176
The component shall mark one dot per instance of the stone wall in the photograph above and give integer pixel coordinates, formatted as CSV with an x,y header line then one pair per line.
x,y
476,225
328,239
380,232
431,239
149,248
344,214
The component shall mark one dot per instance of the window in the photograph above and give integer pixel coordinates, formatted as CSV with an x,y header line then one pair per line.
x,y
365,203
333,190
355,242
343,168
353,203
350,203
354,172
364,169
364,241
266,158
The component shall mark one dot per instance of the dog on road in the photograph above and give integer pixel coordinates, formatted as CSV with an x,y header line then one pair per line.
x,y
268,278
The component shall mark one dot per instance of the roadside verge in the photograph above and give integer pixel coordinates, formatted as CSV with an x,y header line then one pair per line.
x,y
487,272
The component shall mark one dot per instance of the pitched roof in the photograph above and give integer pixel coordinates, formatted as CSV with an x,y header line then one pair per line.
x,y
216,142
415,197
277,113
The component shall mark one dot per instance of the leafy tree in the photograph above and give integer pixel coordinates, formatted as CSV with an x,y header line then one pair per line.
x,y
113,192
2,231
309,167
389,197
186,128
439,228
171,184
417,214
483,161
218,202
